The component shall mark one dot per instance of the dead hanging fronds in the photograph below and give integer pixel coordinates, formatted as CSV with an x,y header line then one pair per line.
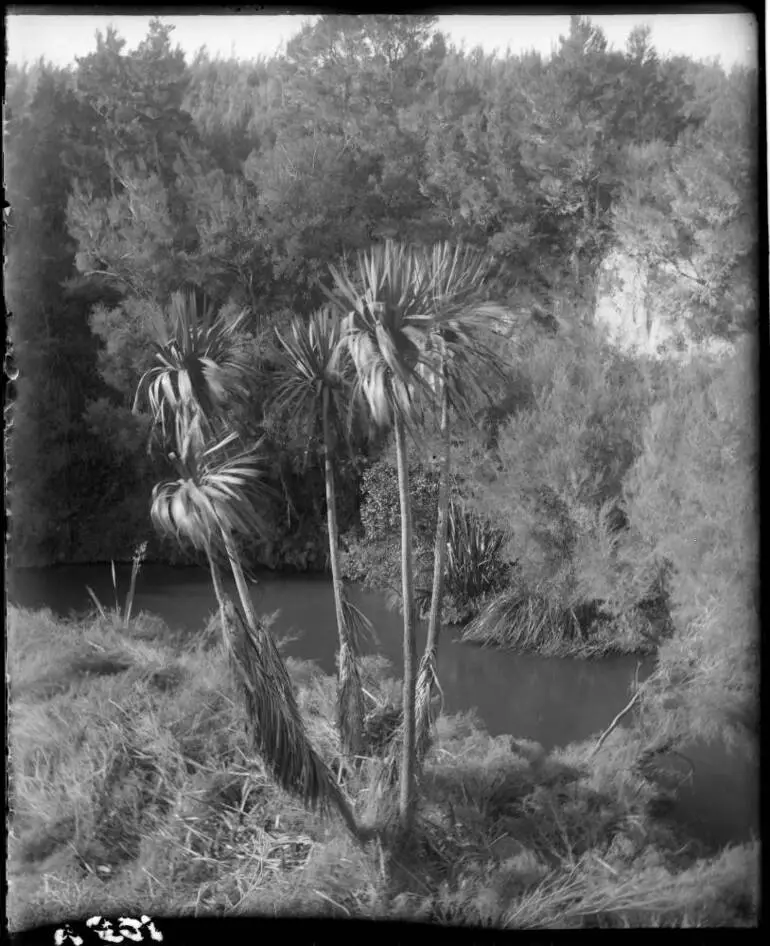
x,y
383,742
358,624
350,696
428,687
384,729
390,762
274,721
350,703
381,727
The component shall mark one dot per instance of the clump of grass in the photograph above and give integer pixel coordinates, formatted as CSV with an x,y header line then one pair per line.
x,y
535,621
721,892
101,760
122,616
526,621
49,656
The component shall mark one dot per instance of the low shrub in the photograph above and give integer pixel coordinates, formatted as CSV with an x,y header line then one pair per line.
x,y
475,567
554,486
692,497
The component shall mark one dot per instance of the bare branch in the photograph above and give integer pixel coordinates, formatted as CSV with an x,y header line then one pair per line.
x,y
614,724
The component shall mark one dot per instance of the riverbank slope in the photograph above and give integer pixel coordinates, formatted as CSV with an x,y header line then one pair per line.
x,y
133,791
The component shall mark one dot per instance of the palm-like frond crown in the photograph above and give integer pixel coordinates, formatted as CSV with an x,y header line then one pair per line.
x,y
200,365
460,345
219,489
314,374
385,303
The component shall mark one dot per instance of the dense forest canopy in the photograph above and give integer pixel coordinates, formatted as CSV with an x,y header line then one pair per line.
x,y
136,173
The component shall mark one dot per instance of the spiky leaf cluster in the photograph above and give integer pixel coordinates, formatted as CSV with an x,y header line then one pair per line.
x,y
199,366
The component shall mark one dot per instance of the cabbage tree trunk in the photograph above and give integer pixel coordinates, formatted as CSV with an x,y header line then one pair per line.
x,y
350,699
428,673
407,793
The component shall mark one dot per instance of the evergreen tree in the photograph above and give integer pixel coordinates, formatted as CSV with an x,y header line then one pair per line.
x,y
58,466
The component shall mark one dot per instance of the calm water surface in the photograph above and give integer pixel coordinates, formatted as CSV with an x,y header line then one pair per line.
x,y
552,701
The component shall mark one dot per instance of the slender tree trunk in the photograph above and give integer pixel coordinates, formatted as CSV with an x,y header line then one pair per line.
x,y
240,581
350,720
428,665
331,522
407,794
216,581
222,599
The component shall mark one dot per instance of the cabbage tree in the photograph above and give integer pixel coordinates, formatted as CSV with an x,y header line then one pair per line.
x,y
314,387
199,372
383,300
464,366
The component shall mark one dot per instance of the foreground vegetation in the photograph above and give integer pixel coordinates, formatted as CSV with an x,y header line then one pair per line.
x,y
134,790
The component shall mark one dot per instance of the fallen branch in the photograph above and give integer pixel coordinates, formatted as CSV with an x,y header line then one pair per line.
x,y
614,724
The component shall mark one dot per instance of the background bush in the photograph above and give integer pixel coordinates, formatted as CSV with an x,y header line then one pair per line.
x,y
555,480
475,567
244,180
692,497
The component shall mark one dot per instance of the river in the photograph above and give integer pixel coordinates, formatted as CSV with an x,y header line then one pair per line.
x,y
553,701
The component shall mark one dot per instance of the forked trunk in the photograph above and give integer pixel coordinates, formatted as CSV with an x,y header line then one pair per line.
x,y
427,678
350,699
407,796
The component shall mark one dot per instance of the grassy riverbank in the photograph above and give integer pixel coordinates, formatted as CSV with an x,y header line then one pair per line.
x,y
133,791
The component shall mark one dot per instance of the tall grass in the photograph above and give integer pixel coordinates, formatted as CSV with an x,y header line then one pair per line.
x,y
536,621
133,788
522,621
122,616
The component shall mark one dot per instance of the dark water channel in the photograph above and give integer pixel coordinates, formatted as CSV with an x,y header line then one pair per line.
x,y
549,700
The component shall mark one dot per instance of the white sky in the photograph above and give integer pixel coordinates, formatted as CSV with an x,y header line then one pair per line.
x,y
60,37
